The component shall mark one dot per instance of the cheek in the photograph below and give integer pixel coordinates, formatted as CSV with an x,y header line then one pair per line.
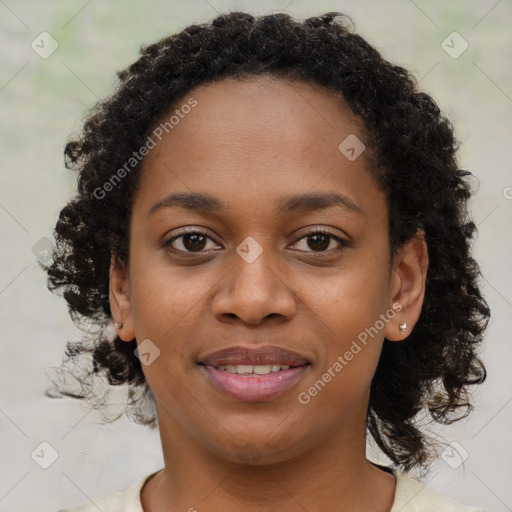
x,y
342,376
348,299
165,309
348,314
164,299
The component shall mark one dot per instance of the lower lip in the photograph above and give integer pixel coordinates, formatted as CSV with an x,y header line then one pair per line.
x,y
254,388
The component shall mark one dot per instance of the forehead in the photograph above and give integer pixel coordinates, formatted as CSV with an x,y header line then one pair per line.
x,y
256,137
267,108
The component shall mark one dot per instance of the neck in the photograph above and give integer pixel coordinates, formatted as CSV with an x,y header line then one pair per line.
x,y
334,475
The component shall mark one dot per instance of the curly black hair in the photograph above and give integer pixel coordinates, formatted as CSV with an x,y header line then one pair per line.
x,y
413,155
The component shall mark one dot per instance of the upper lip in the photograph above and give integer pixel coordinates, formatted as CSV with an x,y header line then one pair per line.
x,y
267,354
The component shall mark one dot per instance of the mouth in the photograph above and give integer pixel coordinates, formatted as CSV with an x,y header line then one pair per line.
x,y
256,374
251,370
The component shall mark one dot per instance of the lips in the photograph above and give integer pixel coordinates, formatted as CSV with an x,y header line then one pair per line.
x,y
266,355
254,374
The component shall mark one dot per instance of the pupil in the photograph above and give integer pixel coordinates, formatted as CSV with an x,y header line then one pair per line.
x,y
316,238
194,238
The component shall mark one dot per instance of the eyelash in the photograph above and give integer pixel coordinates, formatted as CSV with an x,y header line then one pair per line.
x,y
319,231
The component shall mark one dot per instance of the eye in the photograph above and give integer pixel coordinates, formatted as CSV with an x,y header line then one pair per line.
x,y
192,241
320,241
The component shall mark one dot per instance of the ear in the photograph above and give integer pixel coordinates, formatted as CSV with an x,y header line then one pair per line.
x,y
119,298
409,275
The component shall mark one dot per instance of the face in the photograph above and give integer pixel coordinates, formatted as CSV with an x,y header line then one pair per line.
x,y
253,234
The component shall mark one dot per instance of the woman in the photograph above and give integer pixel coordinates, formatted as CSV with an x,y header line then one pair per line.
x,y
271,232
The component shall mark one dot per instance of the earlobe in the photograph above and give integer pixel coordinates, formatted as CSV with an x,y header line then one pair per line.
x,y
408,286
119,298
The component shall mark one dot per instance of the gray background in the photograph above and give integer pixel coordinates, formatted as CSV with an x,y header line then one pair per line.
x,y
42,102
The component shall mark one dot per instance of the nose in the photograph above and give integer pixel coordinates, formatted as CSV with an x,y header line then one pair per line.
x,y
254,290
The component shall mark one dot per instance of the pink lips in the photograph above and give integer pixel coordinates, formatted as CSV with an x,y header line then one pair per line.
x,y
251,387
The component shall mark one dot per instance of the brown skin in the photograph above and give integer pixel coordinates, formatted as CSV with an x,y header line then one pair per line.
x,y
250,143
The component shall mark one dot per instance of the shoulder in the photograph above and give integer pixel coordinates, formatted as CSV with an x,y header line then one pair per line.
x,y
410,496
413,496
127,501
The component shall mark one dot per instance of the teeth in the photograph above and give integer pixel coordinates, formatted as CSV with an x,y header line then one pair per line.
x,y
262,369
255,369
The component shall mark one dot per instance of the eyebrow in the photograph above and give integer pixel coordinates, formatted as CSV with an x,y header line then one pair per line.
x,y
300,203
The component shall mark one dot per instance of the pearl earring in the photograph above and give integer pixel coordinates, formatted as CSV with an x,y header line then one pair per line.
x,y
119,325
403,327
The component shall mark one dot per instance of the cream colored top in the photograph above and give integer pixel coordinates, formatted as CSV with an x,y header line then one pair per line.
x,y
410,496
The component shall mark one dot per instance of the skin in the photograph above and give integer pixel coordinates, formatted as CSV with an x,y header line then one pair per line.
x,y
250,143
